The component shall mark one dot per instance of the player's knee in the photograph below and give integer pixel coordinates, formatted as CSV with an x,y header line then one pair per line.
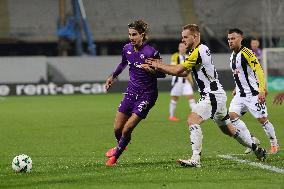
x,y
190,122
174,98
262,120
233,115
194,119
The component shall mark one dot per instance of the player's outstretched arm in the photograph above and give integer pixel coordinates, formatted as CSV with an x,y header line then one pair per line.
x,y
177,70
121,66
147,68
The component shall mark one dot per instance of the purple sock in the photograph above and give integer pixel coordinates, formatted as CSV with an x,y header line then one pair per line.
x,y
123,142
117,134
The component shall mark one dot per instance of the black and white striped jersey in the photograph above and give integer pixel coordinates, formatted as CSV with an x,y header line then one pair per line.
x,y
247,72
200,62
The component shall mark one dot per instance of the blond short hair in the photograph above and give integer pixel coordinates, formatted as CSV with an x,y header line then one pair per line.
x,y
194,28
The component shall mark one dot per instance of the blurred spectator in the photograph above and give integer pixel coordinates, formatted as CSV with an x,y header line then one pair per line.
x,y
181,86
254,45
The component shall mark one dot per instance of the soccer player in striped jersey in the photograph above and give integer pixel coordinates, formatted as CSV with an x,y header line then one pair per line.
x,y
249,94
181,86
212,102
141,93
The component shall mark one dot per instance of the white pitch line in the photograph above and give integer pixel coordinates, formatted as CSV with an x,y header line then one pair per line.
x,y
260,165
236,155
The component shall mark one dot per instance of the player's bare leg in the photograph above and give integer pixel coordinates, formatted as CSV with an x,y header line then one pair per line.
x,y
119,123
129,126
120,120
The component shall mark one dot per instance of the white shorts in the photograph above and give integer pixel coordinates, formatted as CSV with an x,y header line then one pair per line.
x,y
213,106
249,103
182,89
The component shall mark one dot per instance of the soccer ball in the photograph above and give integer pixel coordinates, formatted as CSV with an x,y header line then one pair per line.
x,y
22,163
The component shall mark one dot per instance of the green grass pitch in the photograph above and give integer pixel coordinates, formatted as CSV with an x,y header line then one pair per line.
x,y
67,137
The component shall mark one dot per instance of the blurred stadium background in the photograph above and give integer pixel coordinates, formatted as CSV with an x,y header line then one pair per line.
x,y
46,48
49,41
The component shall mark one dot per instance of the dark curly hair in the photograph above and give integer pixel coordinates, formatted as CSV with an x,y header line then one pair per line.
x,y
141,27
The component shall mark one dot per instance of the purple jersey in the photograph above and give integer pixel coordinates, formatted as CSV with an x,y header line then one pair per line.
x,y
142,91
140,80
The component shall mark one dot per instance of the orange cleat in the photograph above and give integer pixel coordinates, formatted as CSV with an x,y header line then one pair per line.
x,y
110,152
111,162
173,118
274,149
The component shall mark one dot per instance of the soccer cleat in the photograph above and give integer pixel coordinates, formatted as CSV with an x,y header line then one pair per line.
x,y
256,142
261,154
189,163
173,118
274,149
110,152
111,161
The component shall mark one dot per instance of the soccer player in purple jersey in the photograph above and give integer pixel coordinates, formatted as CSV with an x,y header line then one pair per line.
x,y
141,93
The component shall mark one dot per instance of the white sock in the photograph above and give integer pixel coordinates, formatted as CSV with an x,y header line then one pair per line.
x,y
242,134
270,132
191,103
196,140
173,105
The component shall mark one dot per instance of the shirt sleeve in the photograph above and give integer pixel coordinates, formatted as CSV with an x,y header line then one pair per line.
x,y
191,60
174,59
256,67
156,55
121,66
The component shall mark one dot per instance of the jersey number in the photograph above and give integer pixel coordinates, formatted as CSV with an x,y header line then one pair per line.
x,y
143,106
260,106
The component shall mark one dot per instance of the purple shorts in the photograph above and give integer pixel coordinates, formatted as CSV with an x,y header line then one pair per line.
x,y
140,104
